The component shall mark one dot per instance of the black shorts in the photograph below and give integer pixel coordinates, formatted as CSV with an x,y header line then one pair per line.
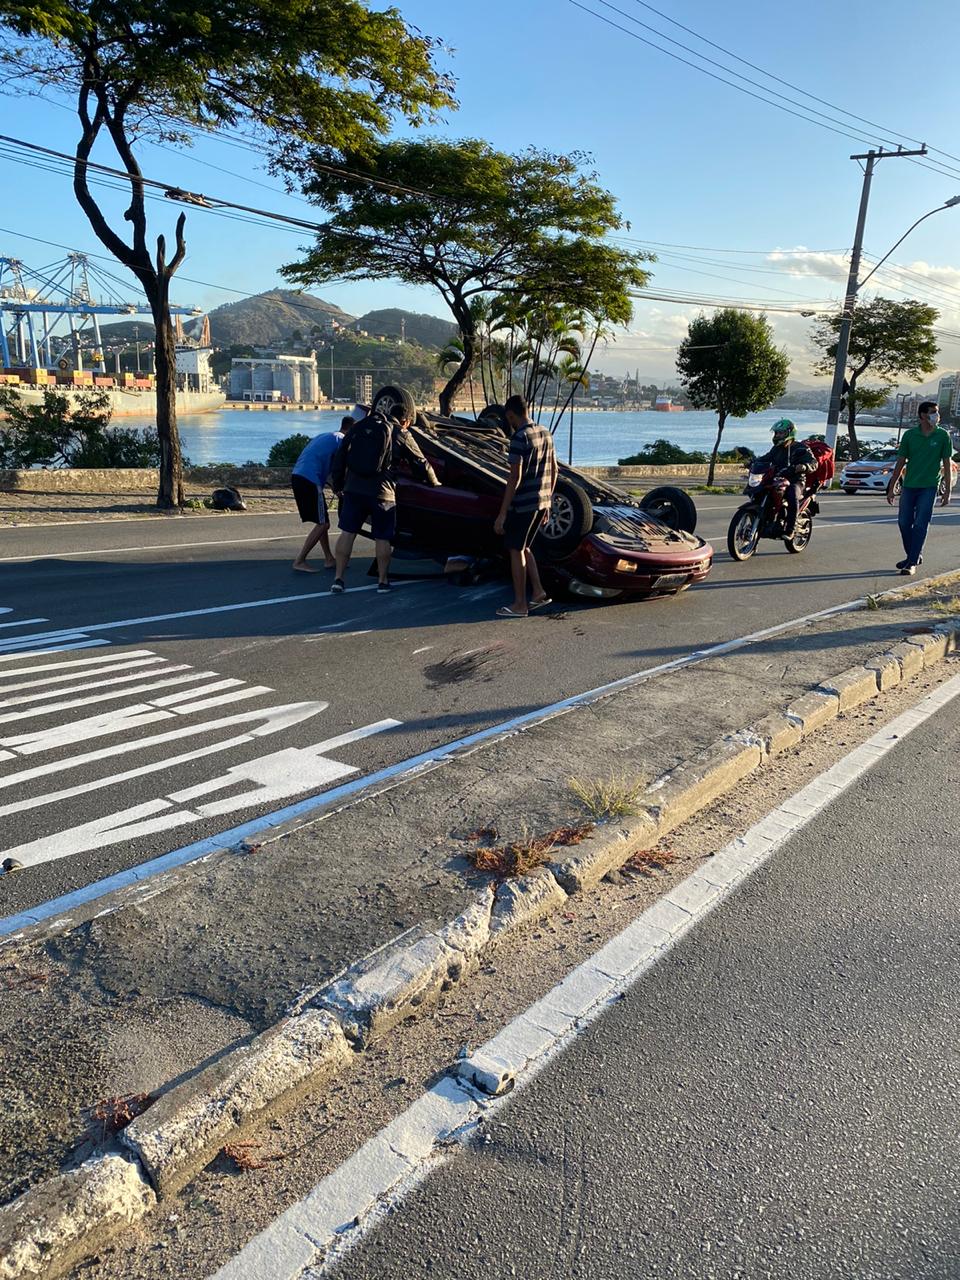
x,y
520,528
355,511
310,501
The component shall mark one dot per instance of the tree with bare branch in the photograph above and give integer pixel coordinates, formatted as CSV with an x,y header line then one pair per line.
x,y
290,73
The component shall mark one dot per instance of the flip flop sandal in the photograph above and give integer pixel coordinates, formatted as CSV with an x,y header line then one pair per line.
x,y
505,612
538,604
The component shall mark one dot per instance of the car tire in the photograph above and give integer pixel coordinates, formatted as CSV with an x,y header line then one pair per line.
x,y
570,520
671,506
494,413
389,397
851,492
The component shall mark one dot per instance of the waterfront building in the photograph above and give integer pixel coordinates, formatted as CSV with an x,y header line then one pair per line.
x,y
277,378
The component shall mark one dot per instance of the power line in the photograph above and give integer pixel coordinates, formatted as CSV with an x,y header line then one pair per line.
x,y
804,114
779,80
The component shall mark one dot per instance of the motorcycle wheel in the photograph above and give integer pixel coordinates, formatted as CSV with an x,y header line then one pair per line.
x,y
743,536
801,535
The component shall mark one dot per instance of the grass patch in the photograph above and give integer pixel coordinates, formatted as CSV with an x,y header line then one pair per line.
x,y
874,603
524,855
947,608
607,799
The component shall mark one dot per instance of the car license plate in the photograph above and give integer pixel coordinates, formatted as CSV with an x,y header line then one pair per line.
x,y
670,580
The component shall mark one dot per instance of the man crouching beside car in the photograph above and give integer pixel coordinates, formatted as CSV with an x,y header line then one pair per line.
x,y
526,504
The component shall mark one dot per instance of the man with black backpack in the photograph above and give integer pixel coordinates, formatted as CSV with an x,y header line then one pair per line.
x,y
362,475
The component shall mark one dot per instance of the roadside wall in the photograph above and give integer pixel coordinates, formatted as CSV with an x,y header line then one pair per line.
x,y
123,480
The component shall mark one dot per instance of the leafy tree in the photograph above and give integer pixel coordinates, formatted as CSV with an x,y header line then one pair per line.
x,y
728,363
67,432
284,453
665,453
894,340
470,221
293,72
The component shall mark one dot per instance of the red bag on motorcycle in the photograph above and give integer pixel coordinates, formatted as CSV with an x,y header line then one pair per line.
x,y
825,463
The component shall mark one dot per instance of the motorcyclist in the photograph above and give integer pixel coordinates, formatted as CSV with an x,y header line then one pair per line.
x,y
795,461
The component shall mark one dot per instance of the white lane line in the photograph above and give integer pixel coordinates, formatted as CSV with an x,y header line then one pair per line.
x,y
157,546
59,640
60,648
426,649
24,622
83,629
274,720
95,667
314,1234
70,704
85,685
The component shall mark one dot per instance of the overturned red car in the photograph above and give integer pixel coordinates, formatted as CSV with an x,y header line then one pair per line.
x,y
597,543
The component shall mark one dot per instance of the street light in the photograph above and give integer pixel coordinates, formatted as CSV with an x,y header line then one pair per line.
x,y
853,288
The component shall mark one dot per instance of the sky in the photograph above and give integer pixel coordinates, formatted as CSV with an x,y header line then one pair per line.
x,y
737,197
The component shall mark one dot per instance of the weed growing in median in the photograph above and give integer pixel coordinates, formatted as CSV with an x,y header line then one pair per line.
x,y
949,608
246,1156
647,862
110,1115
524,855
607,799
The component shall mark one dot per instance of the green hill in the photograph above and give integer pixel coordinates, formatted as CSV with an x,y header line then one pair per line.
x,y
426,331
270,319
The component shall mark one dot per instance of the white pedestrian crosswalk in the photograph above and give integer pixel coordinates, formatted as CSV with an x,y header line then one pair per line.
x,y
134,725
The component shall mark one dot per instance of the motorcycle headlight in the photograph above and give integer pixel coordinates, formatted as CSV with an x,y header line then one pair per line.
x,y
753,481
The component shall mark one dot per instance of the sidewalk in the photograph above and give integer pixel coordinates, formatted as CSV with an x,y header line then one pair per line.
x,y
18,508
197,958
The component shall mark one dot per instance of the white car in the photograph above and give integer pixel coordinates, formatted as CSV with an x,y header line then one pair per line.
x,y
872,472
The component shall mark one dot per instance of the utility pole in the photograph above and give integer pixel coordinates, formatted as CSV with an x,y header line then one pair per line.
x,y
850,299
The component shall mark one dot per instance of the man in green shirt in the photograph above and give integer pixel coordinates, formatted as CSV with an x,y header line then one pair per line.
x,y
925,451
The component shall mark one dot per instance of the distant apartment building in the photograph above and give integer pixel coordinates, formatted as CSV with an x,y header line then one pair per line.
x,y
948,398
364,388
278,378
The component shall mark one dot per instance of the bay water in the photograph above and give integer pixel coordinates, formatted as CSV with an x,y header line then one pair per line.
x,y
600,438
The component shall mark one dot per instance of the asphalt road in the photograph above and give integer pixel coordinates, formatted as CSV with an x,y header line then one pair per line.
x,y
209,604
776,1098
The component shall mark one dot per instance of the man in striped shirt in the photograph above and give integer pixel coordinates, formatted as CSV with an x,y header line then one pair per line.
x,y
526,504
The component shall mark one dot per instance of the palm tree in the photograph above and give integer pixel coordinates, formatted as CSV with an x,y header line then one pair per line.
x,y
571,372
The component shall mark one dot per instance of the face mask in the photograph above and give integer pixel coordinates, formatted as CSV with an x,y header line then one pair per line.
x,y
933,418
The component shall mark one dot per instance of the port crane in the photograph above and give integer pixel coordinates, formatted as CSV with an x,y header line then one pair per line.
x,y
33,303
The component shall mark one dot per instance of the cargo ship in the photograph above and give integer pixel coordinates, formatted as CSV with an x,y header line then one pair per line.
x,y
130,395
664,404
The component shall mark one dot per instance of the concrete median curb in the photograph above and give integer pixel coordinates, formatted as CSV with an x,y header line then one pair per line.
x,y
56,1223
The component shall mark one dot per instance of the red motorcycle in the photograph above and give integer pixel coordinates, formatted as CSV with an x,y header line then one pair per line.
x,y
765,515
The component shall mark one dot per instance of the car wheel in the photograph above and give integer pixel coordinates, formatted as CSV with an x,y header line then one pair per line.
x,y
851,492
672,506
569,521
389,398
494,413
898,488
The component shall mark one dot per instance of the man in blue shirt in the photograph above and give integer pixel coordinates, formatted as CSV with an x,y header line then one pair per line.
x,y
310,476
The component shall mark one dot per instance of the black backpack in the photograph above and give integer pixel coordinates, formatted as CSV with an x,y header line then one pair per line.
x,y
370,446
